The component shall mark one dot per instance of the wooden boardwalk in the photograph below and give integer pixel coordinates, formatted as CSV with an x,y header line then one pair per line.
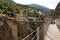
x,y
53,33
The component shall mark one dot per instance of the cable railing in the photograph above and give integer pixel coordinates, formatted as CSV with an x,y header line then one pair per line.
x,y
37,31
37,34
29,35
34,37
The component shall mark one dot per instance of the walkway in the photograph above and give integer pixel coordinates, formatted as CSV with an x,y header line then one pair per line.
x,y
52,33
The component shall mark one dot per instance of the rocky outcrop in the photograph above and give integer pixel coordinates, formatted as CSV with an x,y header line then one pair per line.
x,y
18,30
58,7
5,31
14,27
57,10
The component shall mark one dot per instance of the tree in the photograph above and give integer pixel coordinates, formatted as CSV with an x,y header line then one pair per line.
x,y
1,6
7,12
17,11
1,11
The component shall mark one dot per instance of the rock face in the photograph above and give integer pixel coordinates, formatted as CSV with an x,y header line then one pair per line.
x,y
57,15
5,31
57,10
14,27
58,7
10,29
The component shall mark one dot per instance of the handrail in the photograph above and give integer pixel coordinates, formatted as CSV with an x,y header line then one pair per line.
x,y
41,29
32,33
37,34
29,35
33,37
15,19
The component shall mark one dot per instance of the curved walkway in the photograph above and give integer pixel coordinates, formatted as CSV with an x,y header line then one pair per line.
x,y
52,33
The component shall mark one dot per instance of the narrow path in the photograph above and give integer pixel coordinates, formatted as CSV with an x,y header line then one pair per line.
x,y
52,33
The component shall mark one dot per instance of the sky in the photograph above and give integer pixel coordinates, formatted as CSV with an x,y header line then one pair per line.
x,y
47,3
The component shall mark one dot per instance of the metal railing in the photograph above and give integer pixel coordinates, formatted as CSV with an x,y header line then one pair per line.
x,y
37,31
37,35
29,35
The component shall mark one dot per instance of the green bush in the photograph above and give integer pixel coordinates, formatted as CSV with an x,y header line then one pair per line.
x,y
1,6
1,11
17,11
8,8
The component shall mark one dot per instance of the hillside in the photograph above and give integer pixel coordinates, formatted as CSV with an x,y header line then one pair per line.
x,y
10,0
11,8
21,19
8,8
40,7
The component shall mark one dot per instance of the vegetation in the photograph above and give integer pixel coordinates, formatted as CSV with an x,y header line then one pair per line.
x,y
11,8
8,8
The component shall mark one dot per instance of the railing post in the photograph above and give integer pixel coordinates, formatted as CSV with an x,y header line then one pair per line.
x,y
38,36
